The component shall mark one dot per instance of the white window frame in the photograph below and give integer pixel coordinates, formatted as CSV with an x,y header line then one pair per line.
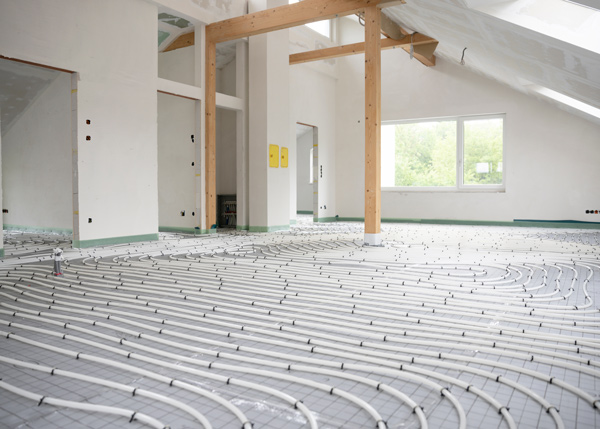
x,y
460,185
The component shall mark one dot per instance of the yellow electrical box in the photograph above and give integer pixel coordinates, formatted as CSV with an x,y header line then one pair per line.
x,y
284,157
273,156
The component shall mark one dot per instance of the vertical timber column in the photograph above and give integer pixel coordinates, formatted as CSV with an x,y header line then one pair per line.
x,y
200,139
211,135
373,126
242,177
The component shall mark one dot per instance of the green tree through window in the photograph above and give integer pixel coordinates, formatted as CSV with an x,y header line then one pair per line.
x,y
427,153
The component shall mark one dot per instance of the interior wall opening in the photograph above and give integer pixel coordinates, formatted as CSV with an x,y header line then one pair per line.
x,y
37,121
176,163
307,160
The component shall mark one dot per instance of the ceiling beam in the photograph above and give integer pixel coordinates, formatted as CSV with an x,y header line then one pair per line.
x,y
287,16
423,53
358,48
183,41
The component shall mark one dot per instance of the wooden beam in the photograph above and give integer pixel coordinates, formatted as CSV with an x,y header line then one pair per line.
x,y
182,41
356,48
372,120
211,134
287,16
424,53
36,64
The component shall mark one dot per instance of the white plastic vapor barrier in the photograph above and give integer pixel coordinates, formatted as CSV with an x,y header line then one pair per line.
x,y
440,326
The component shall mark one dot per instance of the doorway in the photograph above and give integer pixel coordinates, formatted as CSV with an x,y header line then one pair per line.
x,y
38,121
307,174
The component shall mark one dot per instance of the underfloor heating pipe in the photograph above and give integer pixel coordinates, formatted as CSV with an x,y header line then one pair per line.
x,y
498,406
380,423
286,366
41,399
246,424
113,385
585,396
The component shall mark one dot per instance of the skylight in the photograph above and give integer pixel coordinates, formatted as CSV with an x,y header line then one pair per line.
x,y
565,99
593,4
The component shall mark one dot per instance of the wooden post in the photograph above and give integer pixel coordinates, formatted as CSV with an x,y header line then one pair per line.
x,y
211,135
372,125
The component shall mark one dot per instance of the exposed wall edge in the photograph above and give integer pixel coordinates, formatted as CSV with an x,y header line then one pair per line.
x,y
573,224
269,228
327,219
114,240
42,229
180,229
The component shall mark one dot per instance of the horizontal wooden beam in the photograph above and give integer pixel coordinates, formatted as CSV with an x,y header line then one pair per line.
x,y
358,48
183,41
287,16
423,53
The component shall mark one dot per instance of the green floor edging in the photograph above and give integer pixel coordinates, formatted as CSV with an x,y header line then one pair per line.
x,y
177,229
269,228
293,221
327,219
572,224
242,227
306,212
38,229
1,253
114,240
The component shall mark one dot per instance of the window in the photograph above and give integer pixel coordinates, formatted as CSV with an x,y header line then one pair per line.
x,y
321,27
451,153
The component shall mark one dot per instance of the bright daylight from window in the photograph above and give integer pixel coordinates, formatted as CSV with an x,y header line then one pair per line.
x,y
321,27
427,154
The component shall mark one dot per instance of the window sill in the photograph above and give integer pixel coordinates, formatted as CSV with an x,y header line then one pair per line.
x,y
445,190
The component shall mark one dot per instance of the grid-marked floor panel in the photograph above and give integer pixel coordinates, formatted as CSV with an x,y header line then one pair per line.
x,y
442,326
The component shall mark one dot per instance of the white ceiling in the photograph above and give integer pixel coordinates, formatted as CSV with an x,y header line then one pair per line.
x,y
20,85
547,48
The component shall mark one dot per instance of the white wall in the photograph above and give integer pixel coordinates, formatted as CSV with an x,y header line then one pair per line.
x,y
304,188
112,45
313,88
177,65
551,157
36,156
226,134
176,152
269,123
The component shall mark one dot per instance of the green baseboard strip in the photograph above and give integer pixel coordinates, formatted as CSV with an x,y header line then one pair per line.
x,y
572,224
327,219
114,240
304,212
242,227
293,221
269,228
38,229
179,229
1,253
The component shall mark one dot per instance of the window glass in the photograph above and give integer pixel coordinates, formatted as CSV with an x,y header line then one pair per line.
x,y
420,154
463,152
482,152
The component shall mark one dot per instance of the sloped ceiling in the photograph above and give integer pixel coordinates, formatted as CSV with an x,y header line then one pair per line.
x,y
547,48
20,85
